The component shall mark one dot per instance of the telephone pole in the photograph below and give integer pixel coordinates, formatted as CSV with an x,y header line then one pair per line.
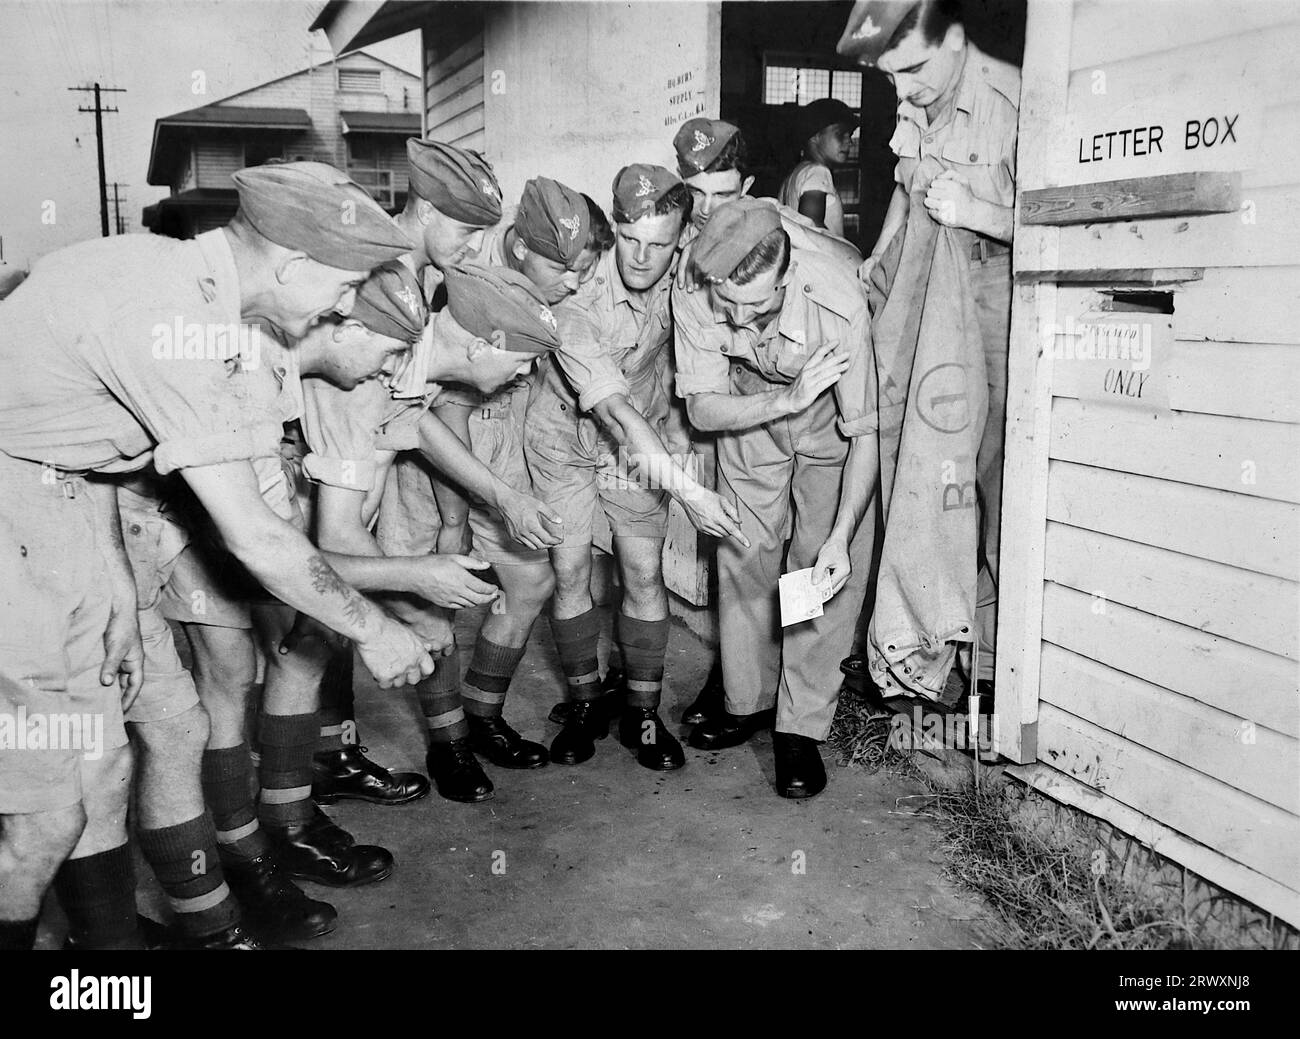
x,y
99,111
117,208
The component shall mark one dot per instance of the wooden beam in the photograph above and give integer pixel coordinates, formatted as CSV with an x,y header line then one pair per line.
x,y
1173,194
1029,395
1141,276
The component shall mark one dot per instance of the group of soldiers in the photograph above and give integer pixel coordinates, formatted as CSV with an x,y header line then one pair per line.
x,y
401,418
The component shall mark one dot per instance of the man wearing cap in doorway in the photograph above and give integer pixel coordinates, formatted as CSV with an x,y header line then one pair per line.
x,y
454,197
826,129
596,414
958,110
775,356
98,387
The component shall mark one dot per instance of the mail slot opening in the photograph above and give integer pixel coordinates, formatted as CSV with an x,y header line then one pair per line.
x,y
1141,302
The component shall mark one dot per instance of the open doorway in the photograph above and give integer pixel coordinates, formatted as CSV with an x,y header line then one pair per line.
x,y
780,55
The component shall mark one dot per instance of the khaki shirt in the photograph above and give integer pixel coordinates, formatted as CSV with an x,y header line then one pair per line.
x,y
119,350
613,341
824,302
974,135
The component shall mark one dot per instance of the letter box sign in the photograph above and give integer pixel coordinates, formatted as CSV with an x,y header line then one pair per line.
x,y
1108,138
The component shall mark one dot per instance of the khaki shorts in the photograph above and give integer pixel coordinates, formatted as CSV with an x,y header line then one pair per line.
x,y
409,519
574,467
54,714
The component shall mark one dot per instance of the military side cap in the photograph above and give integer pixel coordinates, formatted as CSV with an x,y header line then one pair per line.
x,y
314,208
553,220
638,189
871,26
815,116
731,234
486,299
699,142
390,302
458,182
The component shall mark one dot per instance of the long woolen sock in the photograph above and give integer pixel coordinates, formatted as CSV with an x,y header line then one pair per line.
x,y
227,784
441,702
288,743
97,893
643,645
184,858
337,708
490,670
576,640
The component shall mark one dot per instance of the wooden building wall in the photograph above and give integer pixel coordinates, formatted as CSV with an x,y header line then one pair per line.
x,y
1149,644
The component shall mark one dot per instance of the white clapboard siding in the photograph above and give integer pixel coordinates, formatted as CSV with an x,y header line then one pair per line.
x,y
216,160
1278,159
1251,683
1253,832
453,98
1104,31
1237,529
1269,895
1242,305
1256,458
1268,235
1244,380
1255,609
1224,746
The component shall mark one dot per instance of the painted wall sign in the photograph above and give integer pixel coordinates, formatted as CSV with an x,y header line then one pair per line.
x,y
1110,139
1121,358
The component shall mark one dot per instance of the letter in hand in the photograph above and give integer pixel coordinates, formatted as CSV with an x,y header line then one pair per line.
x,y
832,567
820,372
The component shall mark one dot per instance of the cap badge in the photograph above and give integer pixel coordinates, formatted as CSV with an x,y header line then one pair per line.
x,y
548,318
702,141
572,224
644,187
408,297
866,30
487,187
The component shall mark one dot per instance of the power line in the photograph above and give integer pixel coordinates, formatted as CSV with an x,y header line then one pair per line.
x,y
117,208
99,111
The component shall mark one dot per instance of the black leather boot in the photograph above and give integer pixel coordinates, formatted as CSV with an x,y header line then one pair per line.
x,y
642,730
457,773
613,695
323,852
502,746
730,730
586,723
799,769
235,937
273,904
711,700
348,774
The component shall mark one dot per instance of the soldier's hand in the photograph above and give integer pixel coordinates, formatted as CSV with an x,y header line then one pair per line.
x,y
949,200
434,628
123,655
687,276
832,567
445,580
394,655
864,271
530,522
712,514
820,372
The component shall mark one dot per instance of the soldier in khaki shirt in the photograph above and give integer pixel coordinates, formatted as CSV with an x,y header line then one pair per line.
x,y
959,106
775,356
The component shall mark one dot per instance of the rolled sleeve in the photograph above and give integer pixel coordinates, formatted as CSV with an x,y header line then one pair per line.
x,y
855,393
340,429
701,366
583,357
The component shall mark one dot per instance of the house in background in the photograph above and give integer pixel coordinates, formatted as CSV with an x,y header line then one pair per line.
x,y
354,112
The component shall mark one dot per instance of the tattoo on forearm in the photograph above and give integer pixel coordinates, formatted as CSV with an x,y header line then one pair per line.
x,y
325,580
